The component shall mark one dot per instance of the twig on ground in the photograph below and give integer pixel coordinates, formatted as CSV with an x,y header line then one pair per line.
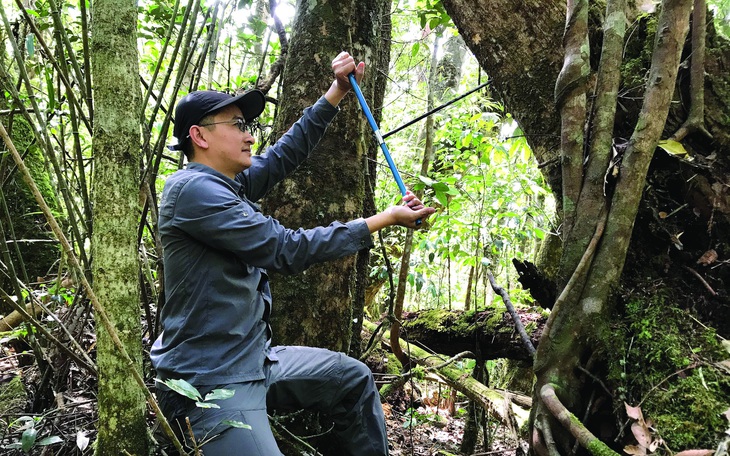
x,y
701,279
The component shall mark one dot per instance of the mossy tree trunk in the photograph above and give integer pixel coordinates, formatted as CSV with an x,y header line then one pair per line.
x,y
31,244
520,53
116,151
316,308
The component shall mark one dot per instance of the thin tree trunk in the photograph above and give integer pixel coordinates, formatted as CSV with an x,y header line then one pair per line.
x,y
116,149
405,262
469,284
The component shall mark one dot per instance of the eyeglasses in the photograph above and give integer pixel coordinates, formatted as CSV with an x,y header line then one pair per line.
x,y
253,126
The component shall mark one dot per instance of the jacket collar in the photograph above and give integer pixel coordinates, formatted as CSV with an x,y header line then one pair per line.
x,y
201,168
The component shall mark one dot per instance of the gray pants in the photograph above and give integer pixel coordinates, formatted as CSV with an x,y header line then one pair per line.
x,y
304,378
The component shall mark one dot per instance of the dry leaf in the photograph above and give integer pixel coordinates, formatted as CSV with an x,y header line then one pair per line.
x,y
707,258
655,444
635,450
725,365
662,215
634,412
81,440
695,453
641,433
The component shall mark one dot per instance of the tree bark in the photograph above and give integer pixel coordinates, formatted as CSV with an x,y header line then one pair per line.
x,y
316,308
491,331
517,44
617,157
116,149
30,242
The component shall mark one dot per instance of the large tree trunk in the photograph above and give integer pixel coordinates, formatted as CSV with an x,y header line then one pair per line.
x,y
316,308
517,44
116,149
29,241
521,54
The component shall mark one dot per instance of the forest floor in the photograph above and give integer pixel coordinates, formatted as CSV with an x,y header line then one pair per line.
x,y
428,422
425,417
427,430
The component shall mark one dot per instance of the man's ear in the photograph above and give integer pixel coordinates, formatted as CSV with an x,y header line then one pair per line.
x,y
198,136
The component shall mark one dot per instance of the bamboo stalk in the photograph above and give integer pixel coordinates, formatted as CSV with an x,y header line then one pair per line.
x,y
54,62
61,33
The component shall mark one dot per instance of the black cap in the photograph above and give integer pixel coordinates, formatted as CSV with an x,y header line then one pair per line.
x,y
196,105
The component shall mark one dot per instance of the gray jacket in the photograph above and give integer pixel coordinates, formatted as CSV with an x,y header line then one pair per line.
x,y
217,248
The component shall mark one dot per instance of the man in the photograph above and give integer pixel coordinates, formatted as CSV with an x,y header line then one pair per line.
x,y
218,248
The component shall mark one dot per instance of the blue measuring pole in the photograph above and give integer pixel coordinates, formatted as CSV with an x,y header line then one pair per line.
x,y
378,136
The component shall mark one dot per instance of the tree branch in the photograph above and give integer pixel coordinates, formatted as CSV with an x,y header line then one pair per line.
x,y
570,97
578,277
696,119
516,318
278,66
589,441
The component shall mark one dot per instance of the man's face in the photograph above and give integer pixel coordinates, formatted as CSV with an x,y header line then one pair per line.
x,y
229,149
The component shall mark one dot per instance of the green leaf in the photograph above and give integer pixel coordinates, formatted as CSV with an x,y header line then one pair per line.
x,y
427,180
30,44
50,89
673,147
219,394
466,140
28,439
236,424
49,440
184,388
414,49
434,22
207,405
441,198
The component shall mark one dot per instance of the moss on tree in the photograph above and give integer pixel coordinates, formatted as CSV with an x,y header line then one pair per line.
x,y
13,396
28,223
665,361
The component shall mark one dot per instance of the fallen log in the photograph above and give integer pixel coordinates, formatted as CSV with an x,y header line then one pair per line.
x,y
15,318
454,331
511,409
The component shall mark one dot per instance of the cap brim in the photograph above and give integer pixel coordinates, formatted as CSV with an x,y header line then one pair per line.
x,y
251,104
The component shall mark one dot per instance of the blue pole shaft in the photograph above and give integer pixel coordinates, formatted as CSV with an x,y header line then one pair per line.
x,y
378,134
